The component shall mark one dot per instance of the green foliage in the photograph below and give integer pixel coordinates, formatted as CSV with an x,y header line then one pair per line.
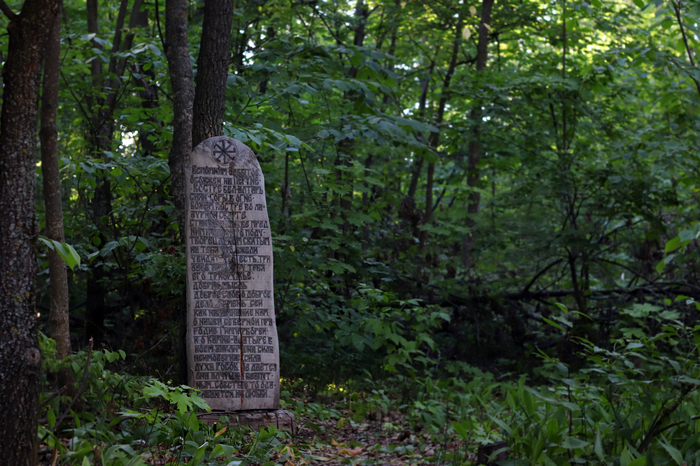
x,y
536,303
339,131
125,420
634,403
65,250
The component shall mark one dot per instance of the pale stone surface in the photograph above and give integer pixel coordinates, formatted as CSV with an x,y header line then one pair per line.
x,y
232,345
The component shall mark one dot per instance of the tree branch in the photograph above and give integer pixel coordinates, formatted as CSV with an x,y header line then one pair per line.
x,y
539,274
8,12
677,9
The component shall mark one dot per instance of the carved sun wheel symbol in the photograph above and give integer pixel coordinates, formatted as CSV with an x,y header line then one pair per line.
x,y
224,151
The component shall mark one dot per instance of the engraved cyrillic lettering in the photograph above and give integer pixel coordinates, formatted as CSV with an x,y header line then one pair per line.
x,y
232,338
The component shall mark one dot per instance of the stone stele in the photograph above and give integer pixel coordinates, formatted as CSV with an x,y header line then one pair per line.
x,y
232,346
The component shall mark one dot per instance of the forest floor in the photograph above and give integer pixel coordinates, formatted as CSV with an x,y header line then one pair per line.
x,y
369,443
328,433
378,439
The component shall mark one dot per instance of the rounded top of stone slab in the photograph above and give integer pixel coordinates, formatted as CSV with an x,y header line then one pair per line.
x,y
225,151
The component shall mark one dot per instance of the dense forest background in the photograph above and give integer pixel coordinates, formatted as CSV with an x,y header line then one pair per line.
x,y
461,194
396,169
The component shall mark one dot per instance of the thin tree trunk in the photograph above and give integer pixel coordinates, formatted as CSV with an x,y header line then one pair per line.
x,y
58,275
148,94
473,175
199,111
365,203
435,137
95,65
100,142
212,71
418,166
177,50
346,147
20,358
286,195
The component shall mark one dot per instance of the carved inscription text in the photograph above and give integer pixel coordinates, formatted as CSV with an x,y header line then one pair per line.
x,y
232,337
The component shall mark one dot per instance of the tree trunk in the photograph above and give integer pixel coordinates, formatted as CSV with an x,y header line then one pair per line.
x,y
198,112
473,175
418,165
366,196
148,94
434,140
177,50
58,275
346,147
20,358
101,141
212,71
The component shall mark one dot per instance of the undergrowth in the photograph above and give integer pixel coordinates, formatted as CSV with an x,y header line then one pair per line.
x,y
634,402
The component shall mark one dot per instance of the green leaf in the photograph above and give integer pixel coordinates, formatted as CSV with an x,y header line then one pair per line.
x,y
672,244
693,439
640,310
502,425
293,140
689,235
227,451
108,248
598,448
182,400
675,454
47,242
69,255
460,430
573,443
74,259
554,324
670,315
358,341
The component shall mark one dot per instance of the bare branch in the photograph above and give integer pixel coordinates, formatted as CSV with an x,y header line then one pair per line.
x,y
8,12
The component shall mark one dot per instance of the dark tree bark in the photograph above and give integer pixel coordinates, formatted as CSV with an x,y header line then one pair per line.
x,y
473,174
177,51
58,275
20,358
212,71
